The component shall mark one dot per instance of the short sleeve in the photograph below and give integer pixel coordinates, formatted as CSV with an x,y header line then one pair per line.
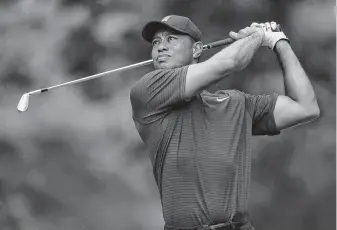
x,y
261,108
157,92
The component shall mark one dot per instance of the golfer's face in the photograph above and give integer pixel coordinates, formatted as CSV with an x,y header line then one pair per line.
x,y
171,50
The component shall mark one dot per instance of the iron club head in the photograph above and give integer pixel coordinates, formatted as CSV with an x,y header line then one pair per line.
x,y
23,103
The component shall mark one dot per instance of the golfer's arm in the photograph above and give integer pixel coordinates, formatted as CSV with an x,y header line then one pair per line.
x,y
300,104
232,58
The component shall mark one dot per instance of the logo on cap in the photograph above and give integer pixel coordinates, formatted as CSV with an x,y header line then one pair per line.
x,y
165,19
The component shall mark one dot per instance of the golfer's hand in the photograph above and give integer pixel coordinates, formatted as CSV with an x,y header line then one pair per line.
x,y
272,33
257,31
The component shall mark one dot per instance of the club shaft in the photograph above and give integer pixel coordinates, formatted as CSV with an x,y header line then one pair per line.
x,y
226,41
140,64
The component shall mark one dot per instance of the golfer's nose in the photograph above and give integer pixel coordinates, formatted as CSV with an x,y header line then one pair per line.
x,y
162,47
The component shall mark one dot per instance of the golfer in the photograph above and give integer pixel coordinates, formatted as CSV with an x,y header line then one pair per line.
x,y
199,142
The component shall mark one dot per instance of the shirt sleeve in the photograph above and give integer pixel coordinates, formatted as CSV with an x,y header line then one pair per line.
x,y
158,92
261,109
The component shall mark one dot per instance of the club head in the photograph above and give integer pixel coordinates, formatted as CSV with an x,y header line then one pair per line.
x,y
23,103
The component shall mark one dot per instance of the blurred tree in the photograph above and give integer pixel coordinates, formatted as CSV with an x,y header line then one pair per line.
x,y
16,74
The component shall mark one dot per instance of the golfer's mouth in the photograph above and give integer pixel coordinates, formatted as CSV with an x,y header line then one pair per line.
x,y
163,57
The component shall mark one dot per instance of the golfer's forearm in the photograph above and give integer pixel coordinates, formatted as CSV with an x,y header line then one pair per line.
x,y
240,54
297,84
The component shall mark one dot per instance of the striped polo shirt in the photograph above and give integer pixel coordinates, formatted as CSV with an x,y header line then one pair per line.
x,y
200,149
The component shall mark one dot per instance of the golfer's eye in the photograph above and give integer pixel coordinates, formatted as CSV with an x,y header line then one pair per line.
x,y
155,42
171,38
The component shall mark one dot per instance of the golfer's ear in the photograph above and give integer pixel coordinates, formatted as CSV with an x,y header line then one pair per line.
x,y
197,49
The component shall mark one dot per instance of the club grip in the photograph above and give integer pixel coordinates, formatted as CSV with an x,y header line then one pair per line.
x,y
224,42
228,41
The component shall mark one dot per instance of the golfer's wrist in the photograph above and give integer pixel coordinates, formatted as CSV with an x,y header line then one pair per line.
x,y
280,45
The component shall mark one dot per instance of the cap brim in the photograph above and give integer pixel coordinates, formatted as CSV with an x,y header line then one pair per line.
x,y
152,27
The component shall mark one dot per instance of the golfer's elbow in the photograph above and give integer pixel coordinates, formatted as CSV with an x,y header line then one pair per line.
x,y
312,112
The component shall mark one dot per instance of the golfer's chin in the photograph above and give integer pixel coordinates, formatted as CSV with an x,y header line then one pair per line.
x,y
167,64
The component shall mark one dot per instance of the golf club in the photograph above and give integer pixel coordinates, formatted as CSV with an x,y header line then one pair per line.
x,y
24,101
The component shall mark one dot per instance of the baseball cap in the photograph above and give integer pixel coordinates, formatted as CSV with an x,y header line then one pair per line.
x,y
178,23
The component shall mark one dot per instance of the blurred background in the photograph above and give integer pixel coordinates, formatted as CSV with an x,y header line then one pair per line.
x,y
75,161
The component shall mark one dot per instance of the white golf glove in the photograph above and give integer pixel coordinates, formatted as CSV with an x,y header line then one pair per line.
x,y
272,33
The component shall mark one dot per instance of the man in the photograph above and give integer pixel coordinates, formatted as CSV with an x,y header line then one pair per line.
x,y
199,142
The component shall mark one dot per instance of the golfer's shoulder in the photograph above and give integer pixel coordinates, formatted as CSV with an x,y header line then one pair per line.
x,y
139,88
156,77
142,83
164,73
